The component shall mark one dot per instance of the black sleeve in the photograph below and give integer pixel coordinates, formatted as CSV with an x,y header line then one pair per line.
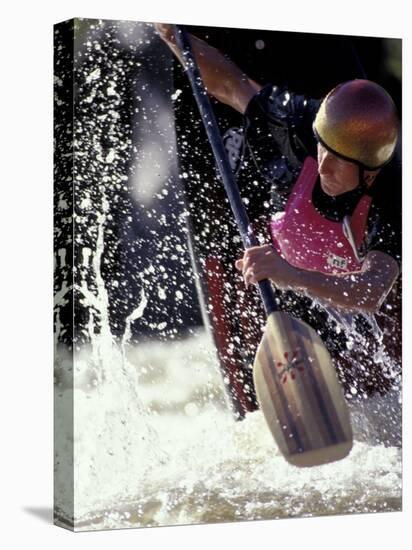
x,y
279,121
385,234
387,239
279,136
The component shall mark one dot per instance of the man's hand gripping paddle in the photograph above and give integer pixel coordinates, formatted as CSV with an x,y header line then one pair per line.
x,y
296,383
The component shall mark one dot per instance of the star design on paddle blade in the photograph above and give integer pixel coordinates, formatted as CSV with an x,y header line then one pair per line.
x,y
291,365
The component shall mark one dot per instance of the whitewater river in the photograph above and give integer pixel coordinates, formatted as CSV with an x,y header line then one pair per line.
x,y
155,444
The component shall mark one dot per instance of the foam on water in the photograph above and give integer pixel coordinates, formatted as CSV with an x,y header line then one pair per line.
x,y
156,445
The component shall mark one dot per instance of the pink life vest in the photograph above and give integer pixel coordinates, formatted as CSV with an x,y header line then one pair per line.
x,y
309,241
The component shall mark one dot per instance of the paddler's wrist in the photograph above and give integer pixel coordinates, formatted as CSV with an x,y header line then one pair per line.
x,y
287,277
297,278
310,283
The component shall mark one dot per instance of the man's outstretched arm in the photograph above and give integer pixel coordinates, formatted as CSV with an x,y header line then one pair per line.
x,y
363,291
222,78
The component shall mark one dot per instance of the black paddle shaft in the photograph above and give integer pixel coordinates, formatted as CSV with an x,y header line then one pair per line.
x,y
206,111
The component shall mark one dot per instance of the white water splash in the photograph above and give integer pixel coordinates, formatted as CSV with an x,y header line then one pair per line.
x,y
142,458
153,442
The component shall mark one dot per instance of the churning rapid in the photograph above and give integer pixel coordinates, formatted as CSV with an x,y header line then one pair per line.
x,y
154,444
141,416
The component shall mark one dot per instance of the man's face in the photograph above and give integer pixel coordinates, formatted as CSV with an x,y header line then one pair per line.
x,y
337,176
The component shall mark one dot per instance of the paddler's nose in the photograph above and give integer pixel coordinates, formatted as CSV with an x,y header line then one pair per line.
x,y
325,162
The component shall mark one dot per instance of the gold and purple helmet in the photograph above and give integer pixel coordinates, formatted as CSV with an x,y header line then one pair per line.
x,y
358,121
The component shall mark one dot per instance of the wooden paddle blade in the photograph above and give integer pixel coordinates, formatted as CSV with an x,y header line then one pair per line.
x,y
300,394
